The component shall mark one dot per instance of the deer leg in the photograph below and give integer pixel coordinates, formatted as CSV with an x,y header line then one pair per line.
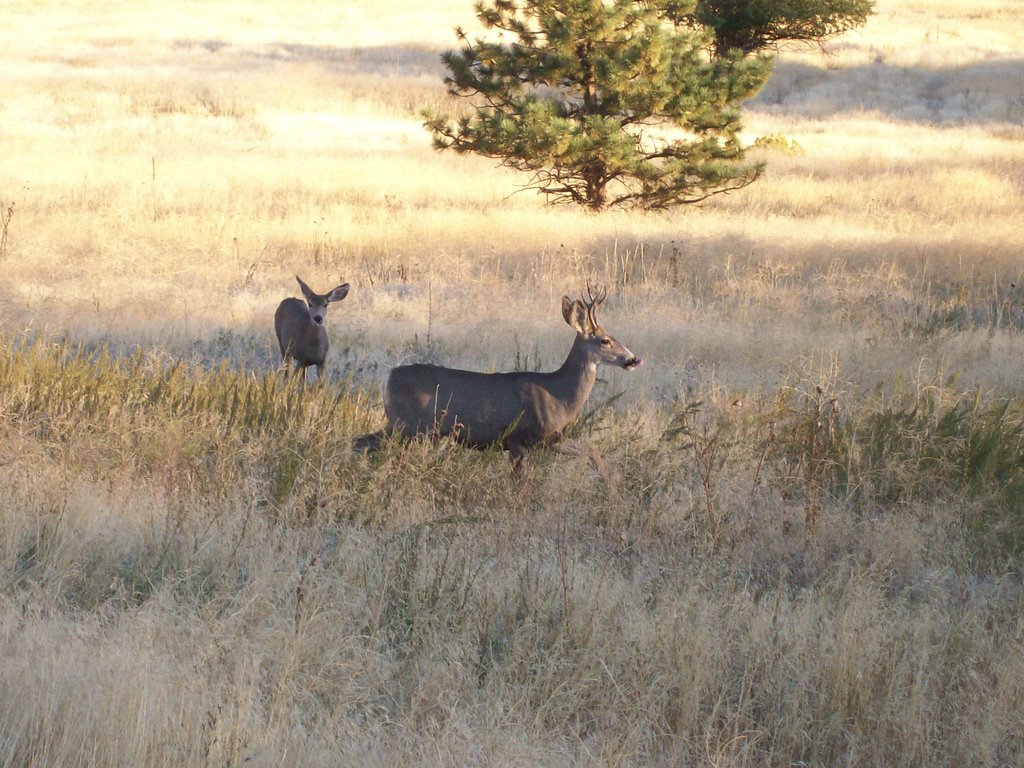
x,y
609,477
517,458
568,447
319,373
368,442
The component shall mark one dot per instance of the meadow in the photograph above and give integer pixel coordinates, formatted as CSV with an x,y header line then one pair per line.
x,y
793,537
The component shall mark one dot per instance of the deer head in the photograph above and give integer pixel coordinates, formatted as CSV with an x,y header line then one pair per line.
x,y
599,346
318,302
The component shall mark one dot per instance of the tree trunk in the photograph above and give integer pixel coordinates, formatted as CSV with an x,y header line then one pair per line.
x,y
594,176
594,172
746,40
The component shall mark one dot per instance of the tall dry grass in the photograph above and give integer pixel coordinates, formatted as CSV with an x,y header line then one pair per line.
x,y
197,571
793,537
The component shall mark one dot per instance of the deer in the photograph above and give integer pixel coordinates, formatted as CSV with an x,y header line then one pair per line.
x,y
518,411
300,328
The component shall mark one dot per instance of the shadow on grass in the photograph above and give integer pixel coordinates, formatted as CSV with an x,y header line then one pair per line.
x,y
380,60
977,93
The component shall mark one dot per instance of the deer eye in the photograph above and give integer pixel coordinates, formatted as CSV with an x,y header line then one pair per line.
x,y
606,341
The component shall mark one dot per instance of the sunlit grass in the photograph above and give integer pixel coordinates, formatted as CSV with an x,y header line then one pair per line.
x,y
259,158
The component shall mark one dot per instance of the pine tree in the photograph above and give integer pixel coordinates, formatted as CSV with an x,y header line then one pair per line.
x,y
603,102
753,25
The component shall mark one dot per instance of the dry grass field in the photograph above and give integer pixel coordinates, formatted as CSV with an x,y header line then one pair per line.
x,y
793,538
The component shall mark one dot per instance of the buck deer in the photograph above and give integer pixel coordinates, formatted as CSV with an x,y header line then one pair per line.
x,y
517,410
300,328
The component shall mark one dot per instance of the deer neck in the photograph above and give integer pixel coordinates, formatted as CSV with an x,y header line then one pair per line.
x,y
314,329
576,377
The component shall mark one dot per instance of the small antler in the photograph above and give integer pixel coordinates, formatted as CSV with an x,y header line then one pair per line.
x,y
592,302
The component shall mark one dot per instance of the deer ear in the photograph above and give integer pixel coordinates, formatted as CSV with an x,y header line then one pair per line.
x,y
575,315
338,293
306,290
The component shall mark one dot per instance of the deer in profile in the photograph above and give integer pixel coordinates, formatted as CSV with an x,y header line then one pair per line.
x,y
517,411
300,328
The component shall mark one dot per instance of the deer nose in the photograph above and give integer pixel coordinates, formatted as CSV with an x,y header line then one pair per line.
x,y
318,319
635,362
